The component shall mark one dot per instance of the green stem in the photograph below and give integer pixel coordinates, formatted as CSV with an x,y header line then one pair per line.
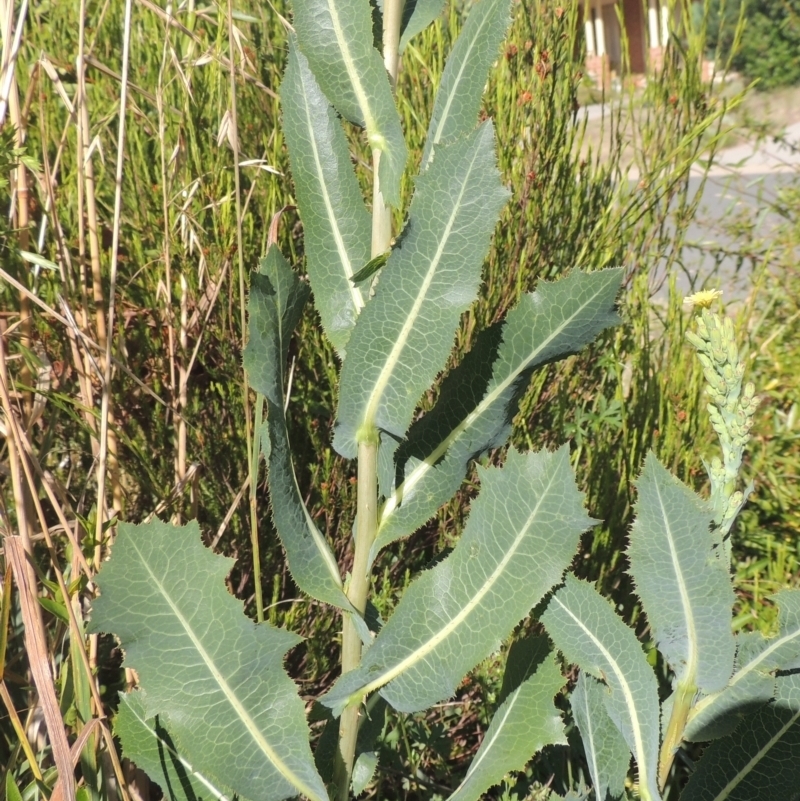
x,y
367,503
366,527
684,697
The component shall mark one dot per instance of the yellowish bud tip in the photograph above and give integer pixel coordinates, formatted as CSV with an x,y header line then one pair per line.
x,y
703,299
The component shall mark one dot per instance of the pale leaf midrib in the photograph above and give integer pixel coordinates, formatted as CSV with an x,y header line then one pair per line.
x,y
431,644
430,461
591,751
344,257
319,541
199,776
744,671
352,72
451,95
688,613
756,661
316,535
626,691
476,763
227,691
402,340
755,759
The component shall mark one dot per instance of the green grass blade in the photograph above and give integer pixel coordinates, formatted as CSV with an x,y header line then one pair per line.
x,y
213,676
521,536
150,746
526,721
682,580
336,38
337,231
753,680
277,297
458,99
607,753
585,628
758,762
404,334
480,397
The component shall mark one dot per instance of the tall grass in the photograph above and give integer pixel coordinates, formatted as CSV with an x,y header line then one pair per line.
x,y
190,220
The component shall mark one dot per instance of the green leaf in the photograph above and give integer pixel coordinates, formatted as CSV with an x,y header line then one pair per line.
x,y
336,38
458,99
12,791
526,721
521,536
585,628
759,761
337,231
364,770
370,268
718,714
214,677
405,333
38,261
147,743
753,680
417,15
684,583
55,608
607,753
277,297
479,398
579,794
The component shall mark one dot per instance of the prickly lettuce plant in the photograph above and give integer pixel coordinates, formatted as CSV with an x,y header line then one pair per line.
x,y
215,713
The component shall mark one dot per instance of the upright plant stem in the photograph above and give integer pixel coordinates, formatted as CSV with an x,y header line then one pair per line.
x,y
367,503
684,698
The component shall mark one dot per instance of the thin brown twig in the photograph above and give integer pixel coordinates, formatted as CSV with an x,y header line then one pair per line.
x,y
19,442
38,659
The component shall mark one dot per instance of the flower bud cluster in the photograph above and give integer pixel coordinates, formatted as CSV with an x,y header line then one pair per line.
x,y
731,409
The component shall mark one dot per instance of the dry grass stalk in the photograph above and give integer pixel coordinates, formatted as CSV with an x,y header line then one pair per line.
x,y
39,661
20,220
108,452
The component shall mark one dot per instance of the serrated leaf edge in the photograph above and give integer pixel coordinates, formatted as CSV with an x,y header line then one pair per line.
x,y
429,463
358,298
686,603
626,691
745,670
440,636
591,751
434,137
199,776
235,703
376,140
486,748
393,358
755,759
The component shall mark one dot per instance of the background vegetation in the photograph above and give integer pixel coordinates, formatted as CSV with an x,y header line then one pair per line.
x,y
193,224
770,46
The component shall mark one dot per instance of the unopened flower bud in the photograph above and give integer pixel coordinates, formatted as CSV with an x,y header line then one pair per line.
x,y
695,340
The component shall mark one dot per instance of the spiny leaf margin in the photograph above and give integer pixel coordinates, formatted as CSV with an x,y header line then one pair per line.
x,y
214,677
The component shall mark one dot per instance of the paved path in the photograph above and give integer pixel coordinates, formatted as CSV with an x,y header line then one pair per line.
x,y
730,195
767,156
743,184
